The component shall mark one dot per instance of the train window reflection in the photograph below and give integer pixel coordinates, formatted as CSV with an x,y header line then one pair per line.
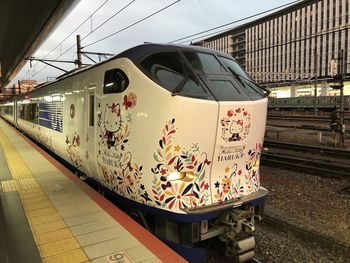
x,y
250,87
166,76
205,62
234,66
28,112
8,110
115,81
169,70
224,90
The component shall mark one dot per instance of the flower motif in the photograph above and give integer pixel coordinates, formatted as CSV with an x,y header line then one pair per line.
x,y
226,185
179,196
207,162
126,103
165,186
130,100
230,113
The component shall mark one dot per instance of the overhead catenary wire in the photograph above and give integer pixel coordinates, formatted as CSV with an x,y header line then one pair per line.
x,y
81,24
92,31
111,17
131,25
62,53
235,22
99,26
77,28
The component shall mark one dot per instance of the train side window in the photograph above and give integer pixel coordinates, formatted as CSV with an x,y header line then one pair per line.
x,y
30,112
20,111
9,110
115,81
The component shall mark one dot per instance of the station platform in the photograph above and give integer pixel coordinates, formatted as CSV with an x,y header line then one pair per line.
x,y
47,214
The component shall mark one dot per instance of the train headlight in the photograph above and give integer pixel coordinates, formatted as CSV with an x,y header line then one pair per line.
x,y
183,176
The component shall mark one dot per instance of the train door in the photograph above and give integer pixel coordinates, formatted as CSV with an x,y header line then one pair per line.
x,y
15,113
91,130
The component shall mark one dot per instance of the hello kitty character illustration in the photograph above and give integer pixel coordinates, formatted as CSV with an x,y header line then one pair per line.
x,y
112,123
235,125
235,129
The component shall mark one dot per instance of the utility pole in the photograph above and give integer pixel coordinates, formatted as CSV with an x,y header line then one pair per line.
x,y
19,87
79,63
342,126
337,72
315,76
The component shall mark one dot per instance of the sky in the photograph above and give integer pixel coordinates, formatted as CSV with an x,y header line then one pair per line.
x,y
183,18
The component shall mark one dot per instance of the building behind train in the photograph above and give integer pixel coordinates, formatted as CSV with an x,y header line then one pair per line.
x,y
290,51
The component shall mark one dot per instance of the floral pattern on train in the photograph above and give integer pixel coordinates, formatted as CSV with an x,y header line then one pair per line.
x,y
190,191
235,126
119,171
73,149
252,177
237,181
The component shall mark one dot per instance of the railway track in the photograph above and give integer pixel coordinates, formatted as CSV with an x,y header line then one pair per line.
x,y
310,237
304,164
322,118
300,118
254,260
311,149
302,127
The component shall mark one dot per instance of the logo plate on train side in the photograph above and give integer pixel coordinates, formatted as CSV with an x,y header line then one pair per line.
x,y
229,153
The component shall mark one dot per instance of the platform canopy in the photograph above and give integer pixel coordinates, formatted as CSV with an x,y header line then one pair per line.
x,y
24,25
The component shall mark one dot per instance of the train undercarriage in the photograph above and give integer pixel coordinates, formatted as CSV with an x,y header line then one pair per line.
x,y
234,228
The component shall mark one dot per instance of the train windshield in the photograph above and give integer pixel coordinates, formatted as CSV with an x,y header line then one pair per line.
x,y
170,71
249,85
219,77
201,75
206,63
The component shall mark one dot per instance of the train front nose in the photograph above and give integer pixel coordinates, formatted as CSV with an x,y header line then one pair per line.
x,y
240,133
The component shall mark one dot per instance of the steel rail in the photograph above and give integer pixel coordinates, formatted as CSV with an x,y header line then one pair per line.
x,y
305,166
311,237
254,260
302,118
308,148
301,127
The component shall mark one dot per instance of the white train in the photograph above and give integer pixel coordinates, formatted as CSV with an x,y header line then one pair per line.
x,y
174,131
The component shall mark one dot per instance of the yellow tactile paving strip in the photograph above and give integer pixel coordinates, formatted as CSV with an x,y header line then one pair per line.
x,y
55,241
17,166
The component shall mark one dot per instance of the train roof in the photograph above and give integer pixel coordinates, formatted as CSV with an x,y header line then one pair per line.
x,y
135,54
139,52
